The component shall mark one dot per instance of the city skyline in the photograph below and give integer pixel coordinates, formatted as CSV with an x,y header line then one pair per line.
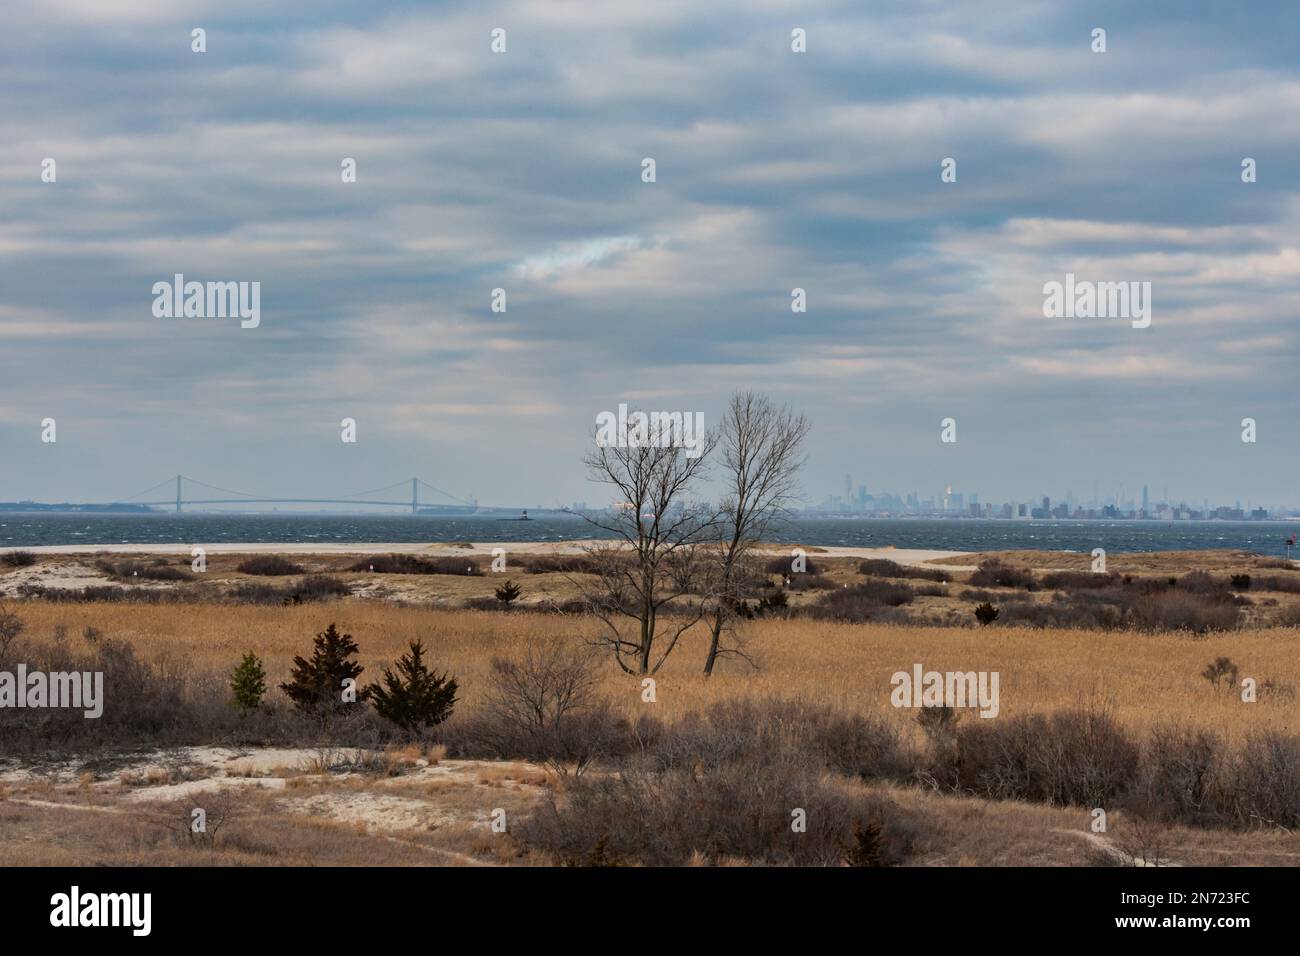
x,y
859,499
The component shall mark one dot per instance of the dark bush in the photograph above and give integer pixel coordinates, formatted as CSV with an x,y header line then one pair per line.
x,y
861,602
18,559
755,732
809,582
717,815
413,697
776,600
993,573
149,705
1278,582
1202,583
1263,788
139,701
316,684
986,613
1241,582
1278,564
101,593
413,564
1288,616
508,592
785,566
1073,757
158,571
1087,610
882,568
1180,775
316,587
1079,580
1180,610
724,784
270,565
248,592
559,563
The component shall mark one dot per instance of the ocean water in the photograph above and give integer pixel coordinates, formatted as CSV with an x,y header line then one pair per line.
x,y
28,530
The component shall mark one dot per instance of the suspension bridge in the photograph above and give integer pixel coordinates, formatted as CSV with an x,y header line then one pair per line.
x,y
187,487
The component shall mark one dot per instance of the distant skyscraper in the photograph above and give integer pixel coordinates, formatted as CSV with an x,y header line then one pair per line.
x,y
1146,500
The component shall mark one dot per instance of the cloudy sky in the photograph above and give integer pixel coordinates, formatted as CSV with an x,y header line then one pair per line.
x,y
522,170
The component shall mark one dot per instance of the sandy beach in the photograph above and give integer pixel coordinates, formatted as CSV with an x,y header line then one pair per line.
x,y
905,556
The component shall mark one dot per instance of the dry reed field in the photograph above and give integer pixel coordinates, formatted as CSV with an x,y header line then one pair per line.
x,y
1143,679
703,770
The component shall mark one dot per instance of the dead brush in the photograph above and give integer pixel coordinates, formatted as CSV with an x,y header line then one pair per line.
x,y
1143,841
397,760
1219,670
197,824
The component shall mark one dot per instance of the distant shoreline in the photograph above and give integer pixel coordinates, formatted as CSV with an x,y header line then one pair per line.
x,y
905,556
858,537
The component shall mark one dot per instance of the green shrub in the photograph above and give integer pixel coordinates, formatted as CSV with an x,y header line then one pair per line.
x,y
248,683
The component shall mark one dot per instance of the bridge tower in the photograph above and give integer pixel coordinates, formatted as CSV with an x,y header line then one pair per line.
x,y
178,494
415,496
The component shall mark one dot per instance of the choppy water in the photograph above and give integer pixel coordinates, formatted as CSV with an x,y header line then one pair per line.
x,y
1265,537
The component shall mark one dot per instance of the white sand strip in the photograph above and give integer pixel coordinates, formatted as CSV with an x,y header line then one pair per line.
x,y
905,556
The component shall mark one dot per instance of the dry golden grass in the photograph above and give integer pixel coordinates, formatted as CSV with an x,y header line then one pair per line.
x,y
1145,678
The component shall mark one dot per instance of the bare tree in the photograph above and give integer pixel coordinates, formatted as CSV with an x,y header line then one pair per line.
x,y
657,532
546,706
762,450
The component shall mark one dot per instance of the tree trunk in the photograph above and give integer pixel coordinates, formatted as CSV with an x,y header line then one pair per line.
x,y
715,636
